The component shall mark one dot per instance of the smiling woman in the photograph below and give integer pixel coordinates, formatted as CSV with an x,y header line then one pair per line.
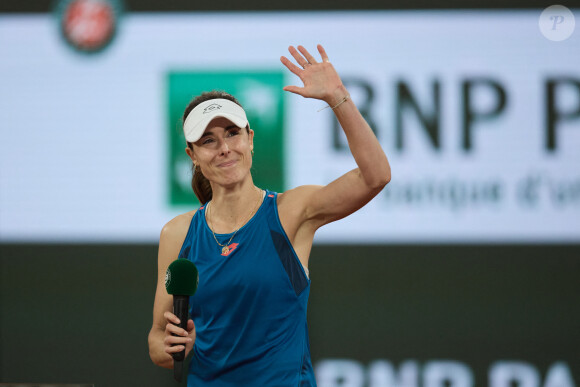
x,y
199,183
251,245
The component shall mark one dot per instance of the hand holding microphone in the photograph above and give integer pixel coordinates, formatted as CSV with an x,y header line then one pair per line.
x,y
181,281
178,339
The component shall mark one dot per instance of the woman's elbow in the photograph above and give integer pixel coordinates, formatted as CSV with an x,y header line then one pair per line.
x,y
381,181
388,178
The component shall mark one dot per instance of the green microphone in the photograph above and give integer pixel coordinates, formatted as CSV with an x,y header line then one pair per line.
x,y
181,281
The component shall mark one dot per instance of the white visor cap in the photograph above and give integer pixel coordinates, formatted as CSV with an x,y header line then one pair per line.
x,y
199,118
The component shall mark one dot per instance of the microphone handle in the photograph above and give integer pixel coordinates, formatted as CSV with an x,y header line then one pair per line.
x,y
181,310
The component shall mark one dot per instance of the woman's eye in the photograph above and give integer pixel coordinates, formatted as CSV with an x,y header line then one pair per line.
x,y
207,141
233,132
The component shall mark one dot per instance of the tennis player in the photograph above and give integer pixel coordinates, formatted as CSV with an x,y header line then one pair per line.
x,y
251,245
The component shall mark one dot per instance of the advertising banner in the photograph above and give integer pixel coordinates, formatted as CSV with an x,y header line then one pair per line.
x,y
478,112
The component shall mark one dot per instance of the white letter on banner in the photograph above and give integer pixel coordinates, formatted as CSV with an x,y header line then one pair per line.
x,y
383,374
503,373
339,373
437,373
559,376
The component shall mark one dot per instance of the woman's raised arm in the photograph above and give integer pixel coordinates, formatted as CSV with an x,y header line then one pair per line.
x,y
351,191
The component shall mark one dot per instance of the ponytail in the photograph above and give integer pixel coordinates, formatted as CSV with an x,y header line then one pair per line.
x,y
201,186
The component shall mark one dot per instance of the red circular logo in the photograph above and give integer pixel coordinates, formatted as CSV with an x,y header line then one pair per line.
x,y
88,25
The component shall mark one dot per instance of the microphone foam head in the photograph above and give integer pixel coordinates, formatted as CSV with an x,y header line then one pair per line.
x,y
181,278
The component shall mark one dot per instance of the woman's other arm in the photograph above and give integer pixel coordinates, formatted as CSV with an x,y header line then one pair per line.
x,y
160,338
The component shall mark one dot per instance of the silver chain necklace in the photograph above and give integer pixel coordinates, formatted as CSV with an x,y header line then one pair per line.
x,y
226,248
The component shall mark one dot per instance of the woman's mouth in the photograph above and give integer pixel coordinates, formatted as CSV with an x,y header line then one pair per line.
x,y
227,164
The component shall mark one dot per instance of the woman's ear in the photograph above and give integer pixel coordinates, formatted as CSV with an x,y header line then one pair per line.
x,y
191,155
251,138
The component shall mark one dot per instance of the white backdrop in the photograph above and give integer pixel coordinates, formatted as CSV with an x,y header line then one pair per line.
x,y
83,147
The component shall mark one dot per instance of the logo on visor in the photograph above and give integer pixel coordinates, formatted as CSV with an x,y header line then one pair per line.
x,y
212,107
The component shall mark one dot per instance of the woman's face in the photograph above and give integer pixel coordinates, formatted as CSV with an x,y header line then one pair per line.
x,y
223,152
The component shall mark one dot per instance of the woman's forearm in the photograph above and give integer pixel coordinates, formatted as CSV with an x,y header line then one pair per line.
x,y
364,146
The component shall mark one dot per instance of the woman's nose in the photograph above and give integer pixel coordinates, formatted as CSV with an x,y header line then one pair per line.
x,y
224,149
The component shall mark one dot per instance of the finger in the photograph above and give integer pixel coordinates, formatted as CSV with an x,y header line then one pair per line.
x,y
171,317
307,55
174,329
174,349
290,66
177,348
176,340
190,326
299,58
322,53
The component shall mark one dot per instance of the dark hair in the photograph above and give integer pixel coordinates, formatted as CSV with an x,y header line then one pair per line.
x,y
199,183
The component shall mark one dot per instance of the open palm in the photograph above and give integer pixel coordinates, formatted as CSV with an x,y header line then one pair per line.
x,y
320,79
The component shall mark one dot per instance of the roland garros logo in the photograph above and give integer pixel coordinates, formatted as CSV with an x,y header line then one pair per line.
x,y
88,26
167,278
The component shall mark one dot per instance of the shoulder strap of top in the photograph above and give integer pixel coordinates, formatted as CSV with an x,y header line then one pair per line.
x,y
195,220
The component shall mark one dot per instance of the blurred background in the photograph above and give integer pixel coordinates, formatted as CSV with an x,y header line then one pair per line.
x,y
463,272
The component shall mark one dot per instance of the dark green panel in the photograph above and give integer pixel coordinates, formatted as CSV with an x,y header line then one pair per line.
x,y
81,313
473,304
78,314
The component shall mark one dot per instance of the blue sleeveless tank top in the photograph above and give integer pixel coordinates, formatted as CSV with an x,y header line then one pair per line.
x,y
250,306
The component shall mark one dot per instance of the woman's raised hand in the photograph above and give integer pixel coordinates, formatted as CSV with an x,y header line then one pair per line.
x,y
320,79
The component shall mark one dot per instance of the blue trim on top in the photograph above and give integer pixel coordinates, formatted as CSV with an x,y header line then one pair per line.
x,y
297,277
286,235
287,254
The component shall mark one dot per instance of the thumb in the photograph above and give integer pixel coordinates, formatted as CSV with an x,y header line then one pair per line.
x,y
190,325
294,89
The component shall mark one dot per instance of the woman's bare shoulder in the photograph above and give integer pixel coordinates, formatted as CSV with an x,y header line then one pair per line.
x,y
176,228
297,198
172,237
299,193
294,205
